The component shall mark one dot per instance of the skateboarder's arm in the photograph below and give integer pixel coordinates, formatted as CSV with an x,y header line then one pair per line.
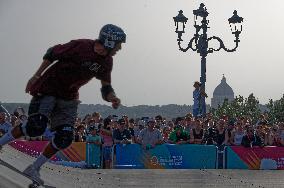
x,y
42,68
109,95
44,65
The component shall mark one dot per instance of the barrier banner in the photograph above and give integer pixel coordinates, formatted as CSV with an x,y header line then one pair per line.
x,y
74,153
238,157
166,156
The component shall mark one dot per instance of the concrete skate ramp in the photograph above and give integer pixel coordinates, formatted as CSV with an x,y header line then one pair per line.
x,y
61,177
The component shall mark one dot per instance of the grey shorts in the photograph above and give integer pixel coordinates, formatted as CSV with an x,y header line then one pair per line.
x,y
58,111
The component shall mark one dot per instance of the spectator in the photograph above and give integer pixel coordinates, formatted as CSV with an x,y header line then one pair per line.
x,y
106,134
150,136
198,94
250,139
262,120
166,134
131,127
179,136
196,134
114,122
237,134
94,122
159,122
138,127
94,137
14,120
229,129
221,137
80,134
93,140
171,125
210,133
125,117
20,111
178,121
5,126
259,131
274,137
23,117
281,130
122,135
87,118
188,123
96,116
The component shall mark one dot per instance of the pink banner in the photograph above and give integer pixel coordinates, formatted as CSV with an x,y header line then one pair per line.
x,y
261,157
74,153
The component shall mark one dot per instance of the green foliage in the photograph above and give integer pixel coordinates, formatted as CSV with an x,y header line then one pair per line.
x,y
239,107
276,110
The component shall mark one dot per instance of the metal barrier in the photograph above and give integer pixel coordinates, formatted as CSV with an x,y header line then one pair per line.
x,y
165,156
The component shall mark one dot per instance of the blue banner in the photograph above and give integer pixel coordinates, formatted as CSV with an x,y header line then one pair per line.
x,y
166,156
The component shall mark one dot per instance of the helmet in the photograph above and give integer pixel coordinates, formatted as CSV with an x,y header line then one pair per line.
x,y
110,35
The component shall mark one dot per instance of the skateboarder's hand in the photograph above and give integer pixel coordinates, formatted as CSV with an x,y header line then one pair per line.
x,y
30,83
115,102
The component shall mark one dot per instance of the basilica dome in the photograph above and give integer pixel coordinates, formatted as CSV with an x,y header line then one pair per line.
x,y
222,91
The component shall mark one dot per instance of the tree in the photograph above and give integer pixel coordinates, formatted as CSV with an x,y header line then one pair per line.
x,y
239,107
276,110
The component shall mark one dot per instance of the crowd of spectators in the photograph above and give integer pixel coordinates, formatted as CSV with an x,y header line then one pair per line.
x,y
152,131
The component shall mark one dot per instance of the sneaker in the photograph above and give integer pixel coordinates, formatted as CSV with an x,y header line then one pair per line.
x,y
33,173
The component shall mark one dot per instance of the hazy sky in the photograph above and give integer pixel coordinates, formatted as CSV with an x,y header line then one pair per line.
x,y
149,69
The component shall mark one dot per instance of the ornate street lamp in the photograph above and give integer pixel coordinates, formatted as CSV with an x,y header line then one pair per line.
x,y
180,21
200,40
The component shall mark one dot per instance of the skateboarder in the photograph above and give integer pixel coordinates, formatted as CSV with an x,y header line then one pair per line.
x,y
54,87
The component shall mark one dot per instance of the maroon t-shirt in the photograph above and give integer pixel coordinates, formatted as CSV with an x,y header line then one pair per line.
x,y
76,65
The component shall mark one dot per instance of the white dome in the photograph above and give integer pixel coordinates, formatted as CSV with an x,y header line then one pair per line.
x,y
223,89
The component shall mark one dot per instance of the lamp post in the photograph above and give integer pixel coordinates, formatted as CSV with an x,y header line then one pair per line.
x,y
200,40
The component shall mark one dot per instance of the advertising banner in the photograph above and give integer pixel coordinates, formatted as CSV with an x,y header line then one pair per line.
x,y
166,156
238,157
74,153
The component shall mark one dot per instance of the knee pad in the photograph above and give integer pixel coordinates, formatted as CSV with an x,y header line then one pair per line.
x,y
63,137
35,125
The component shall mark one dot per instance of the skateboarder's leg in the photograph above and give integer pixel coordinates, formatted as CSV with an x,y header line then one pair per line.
x,y
39,111
62,121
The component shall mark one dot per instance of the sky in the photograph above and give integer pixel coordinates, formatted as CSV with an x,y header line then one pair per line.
x,y
149,69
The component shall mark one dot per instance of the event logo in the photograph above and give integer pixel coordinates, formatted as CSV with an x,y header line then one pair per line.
x,y
174,160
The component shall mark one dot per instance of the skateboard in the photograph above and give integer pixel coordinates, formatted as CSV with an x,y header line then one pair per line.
x,y
34,183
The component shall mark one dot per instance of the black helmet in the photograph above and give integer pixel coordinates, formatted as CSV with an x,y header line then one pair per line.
x,y
110,35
